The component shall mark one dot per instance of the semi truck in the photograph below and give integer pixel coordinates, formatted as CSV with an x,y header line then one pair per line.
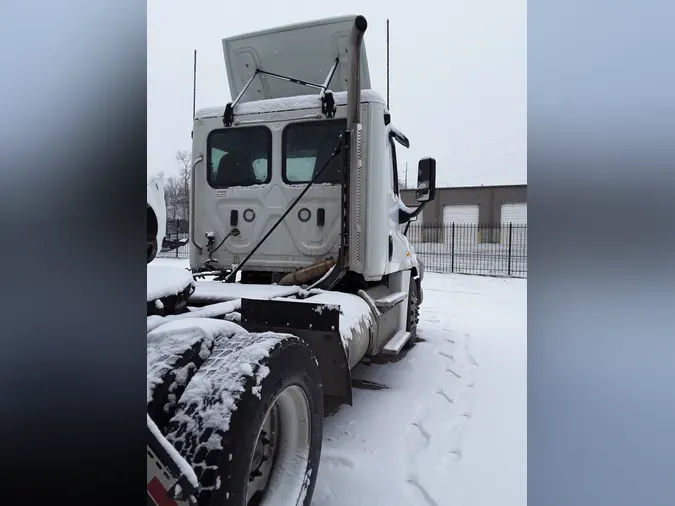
x,y
299,268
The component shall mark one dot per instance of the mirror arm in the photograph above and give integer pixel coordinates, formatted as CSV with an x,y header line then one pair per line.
x,y
405,230
410,217
405,217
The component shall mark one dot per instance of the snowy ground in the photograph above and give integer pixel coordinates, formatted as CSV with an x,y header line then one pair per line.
x,y
444,424
450,426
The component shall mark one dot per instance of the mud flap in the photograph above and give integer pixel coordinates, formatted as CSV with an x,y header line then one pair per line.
x,y
318,325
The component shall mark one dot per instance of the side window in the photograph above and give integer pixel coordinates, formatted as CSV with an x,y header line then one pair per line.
x,y
394,164
307,147
215,156
239,157
300,166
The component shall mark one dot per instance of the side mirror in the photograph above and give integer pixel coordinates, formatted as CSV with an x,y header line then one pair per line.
x,y
426,180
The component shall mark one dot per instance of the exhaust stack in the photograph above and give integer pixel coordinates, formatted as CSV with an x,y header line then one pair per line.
x,y
351,152
353,72
353,223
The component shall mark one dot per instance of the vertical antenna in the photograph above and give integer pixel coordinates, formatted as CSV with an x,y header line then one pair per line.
x,y
406,175
387,64
194,86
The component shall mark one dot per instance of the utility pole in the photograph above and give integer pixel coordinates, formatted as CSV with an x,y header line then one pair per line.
x,y
406,175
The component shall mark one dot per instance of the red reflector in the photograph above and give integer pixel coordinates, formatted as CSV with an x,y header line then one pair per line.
x,y
159,494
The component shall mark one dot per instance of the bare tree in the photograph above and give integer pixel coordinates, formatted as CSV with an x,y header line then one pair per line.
x,y
184,159
172,198
176,193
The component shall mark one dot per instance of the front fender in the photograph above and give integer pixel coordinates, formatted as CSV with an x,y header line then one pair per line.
x,y
420,270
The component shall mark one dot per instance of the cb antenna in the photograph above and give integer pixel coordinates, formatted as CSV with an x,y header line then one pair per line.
x,y
387,63
194,85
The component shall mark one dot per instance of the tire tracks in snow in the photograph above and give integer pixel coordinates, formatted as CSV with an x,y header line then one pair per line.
x,y
446,355
423,491
419,439
451,371
442,393
462,366
423,432
437,428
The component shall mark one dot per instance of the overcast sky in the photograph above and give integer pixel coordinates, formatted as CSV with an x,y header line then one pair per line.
x,y
457,76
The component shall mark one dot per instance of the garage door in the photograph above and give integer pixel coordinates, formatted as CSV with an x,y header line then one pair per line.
x,y
465,218
514,225
462,213
514,213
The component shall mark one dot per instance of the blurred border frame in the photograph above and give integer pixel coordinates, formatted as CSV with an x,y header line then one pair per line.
x,y
601,281
73,148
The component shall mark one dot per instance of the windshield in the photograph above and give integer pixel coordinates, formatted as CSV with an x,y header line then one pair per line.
x,y
239,157
307,148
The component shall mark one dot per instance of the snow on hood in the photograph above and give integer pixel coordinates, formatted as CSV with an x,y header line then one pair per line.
x,y
168,342
287,104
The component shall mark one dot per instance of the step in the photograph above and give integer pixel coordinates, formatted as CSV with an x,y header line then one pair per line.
x,y
390,300
395,344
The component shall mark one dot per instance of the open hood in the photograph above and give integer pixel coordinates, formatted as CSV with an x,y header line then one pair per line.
x,y
305,51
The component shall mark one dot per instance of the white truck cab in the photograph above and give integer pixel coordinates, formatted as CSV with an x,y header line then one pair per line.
x,y
249,172
291,187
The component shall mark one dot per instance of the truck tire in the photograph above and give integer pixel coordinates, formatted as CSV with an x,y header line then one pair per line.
x,y
413,314
272,444
151,227
152,249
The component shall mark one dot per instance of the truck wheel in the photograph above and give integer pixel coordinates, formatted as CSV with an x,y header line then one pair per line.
x,y
413,314
271,447
151,228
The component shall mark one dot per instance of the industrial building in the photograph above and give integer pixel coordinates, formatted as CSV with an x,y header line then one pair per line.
x,y
485,205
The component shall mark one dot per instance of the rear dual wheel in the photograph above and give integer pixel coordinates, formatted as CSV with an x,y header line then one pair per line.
x,y
282,444
269,454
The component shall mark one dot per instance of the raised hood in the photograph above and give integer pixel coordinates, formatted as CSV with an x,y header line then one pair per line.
x,y
305,51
